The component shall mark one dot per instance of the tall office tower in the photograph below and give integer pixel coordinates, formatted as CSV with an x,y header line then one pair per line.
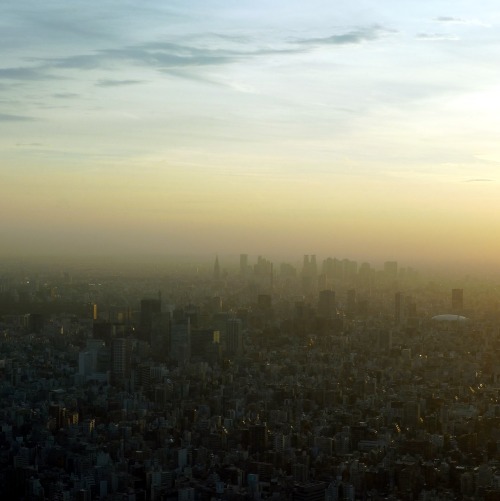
x,y
149,308
326,304
398,307
243,264
305,265
351,303
264,302
216,269
263,274
160,336
92,311
234,337
36,322
313,266
205,344
257,437
180,342
350,269
391,269
457,300
365,274
384,340
120,358
308,278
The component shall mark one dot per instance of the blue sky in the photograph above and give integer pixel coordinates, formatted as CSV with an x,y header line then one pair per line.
x,y
221,118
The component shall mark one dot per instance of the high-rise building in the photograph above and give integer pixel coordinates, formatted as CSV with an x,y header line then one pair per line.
x,y
257,437
180,342
120,358
149,308
234,337
243,264
216,268
391,269
457,300
351,303
398,307
160,335
326,304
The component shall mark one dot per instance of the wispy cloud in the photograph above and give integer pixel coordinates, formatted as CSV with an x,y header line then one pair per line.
x,y
437,37
449,19
117,83
6,117
479,180
356,36
65,95
24,73
458,20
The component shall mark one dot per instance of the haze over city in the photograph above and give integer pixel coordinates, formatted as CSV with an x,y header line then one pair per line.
x,y
359,129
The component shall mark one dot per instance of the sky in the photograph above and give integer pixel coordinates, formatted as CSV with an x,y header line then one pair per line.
x,y
358,129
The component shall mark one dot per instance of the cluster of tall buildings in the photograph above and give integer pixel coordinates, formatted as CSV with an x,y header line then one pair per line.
x,y
304,382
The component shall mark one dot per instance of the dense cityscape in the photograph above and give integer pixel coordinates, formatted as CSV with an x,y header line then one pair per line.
x,y
312,380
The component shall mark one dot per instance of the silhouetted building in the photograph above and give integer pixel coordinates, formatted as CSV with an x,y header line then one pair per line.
x,y
351,303
160,335
326,304
234,337
398,307
36,322
149,308
216,268
120,358
457,300
391,269
243,264
311,491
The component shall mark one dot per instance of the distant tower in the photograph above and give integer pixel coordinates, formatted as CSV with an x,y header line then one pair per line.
x,y
243,264
149,308
216,268
234,337
398,307
391,269
351,303
457,300
326,304
120,355
313,267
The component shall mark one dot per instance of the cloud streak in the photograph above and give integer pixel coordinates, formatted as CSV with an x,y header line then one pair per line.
x,y
6,117
352,37
437,37
117,83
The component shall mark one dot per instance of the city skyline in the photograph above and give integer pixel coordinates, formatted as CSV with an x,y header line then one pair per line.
x,y
227,127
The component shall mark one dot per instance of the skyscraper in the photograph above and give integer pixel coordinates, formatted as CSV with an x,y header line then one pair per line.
x,y
326,304
149,308
234,337
216,268
243,264
398,307
457,300
391,269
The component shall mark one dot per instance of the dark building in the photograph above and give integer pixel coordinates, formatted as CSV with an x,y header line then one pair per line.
x,y
326,304
216,268
36,322
457,300
234,337
311,491
243,264
391,269
398,307
149,308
